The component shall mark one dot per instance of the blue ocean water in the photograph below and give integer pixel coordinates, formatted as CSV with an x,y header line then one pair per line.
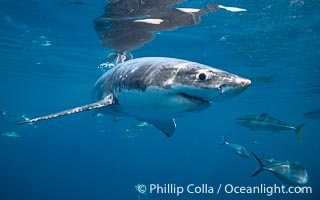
x,y
50,55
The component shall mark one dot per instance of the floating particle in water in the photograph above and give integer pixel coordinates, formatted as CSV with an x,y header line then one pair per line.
x,y
223,38
129,135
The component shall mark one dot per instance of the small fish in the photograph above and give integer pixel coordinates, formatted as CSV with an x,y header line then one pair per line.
x,y
267,123
136,126
287,172
314,114
140,125
11,134
237,148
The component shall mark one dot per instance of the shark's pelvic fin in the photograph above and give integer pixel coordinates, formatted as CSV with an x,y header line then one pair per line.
x,y
298,131
108,100
167,126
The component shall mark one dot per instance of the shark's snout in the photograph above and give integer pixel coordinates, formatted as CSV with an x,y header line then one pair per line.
x,y
234,87
240,82
245,82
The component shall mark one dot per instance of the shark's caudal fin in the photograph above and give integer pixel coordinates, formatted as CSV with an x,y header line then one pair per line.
x,y
108,100
261,168
224,141
298,131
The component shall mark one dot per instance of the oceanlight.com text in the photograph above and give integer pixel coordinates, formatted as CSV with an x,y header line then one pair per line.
x,y
268,190
194,189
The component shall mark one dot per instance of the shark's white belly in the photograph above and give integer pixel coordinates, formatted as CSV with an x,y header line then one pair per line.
x,y
154,103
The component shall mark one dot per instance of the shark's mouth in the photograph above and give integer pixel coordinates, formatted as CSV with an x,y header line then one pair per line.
x,y
194,99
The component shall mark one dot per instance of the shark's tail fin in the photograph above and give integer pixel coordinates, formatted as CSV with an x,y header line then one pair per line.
x,y
298,131
105,102
224,140
261,168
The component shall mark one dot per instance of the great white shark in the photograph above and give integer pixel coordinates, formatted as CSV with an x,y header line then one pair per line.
x,y
157,90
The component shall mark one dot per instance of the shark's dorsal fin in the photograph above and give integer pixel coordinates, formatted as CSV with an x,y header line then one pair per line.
x,y
108,100
167,126
119,57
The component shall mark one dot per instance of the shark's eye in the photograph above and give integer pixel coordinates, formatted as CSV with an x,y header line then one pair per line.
x,y
202,76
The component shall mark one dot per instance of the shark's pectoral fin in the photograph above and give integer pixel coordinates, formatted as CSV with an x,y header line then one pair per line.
x,y
167,126
108,100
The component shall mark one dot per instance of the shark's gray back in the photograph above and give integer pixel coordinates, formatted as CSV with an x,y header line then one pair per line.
x,y
139,74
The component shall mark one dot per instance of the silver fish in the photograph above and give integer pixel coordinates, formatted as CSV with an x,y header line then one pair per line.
x,y
11,134
287,172
314,114
139,125
267,123
237,148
